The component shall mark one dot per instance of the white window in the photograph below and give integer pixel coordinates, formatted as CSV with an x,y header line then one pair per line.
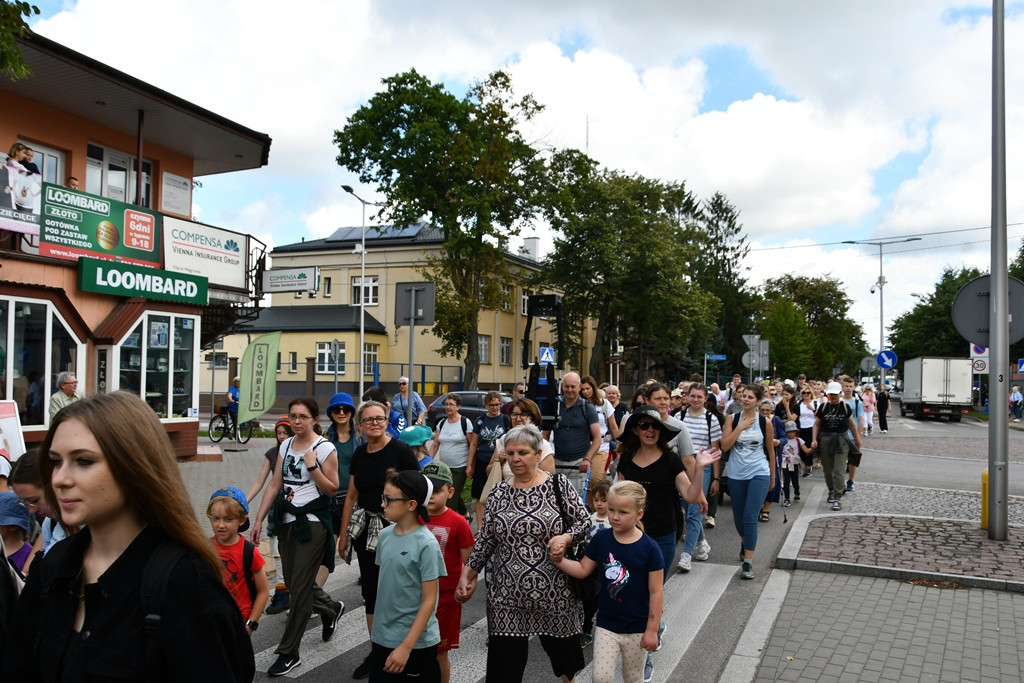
x,y
220,360
506,298
293,361
485,348
526,302
324,362
110,173
368,289
505,357
50,162
370,352
327,287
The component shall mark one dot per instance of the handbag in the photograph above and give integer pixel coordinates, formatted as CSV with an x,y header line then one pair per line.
x,y
493,477
582,589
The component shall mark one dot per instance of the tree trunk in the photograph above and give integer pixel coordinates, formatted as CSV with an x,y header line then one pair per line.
x,y
472,360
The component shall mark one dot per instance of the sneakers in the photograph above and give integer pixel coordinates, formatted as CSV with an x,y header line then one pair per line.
x,y
785,503
831,497
586,639
279,603
284,664
797,497
806,473
748,571
332,623
363,670
709,523
702,551
849,485
648,671
836,505
684,562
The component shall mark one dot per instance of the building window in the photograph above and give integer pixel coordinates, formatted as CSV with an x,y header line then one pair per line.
x,y
370,352
324,362
484,341
49,161
279,361
505,351
110,173
293,361
526,302
506,298
368,289
220,360
327,287
298,295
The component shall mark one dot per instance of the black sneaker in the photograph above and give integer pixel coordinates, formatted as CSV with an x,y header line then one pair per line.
x,y
363,670
279,602
831,497
284,664
332,623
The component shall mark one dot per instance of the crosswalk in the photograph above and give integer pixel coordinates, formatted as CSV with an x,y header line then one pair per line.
x,y
689,600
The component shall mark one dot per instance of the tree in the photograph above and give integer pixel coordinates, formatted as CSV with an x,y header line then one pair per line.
x,y
784,325
927,329
13,14
717,268
835,338
622,258
462,164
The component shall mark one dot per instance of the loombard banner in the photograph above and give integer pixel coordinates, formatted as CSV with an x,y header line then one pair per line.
x,y
257,390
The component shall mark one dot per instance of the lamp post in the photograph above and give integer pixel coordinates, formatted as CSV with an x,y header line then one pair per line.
x,y
881,292
362,290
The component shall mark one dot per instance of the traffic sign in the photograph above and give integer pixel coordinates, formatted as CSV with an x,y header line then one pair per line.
x,y
886,359
751,360
714,356
868,364
1020,366
547,354
971,310
980,366
979,351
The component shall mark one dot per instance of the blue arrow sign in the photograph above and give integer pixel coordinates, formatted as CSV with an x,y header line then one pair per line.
x,y
714,356
886,359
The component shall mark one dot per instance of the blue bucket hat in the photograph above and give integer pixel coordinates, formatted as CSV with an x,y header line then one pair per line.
x,y
232,492
12,513
341,399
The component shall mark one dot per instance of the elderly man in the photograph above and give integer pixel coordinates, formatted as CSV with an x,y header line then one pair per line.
x,y
577,433
66,394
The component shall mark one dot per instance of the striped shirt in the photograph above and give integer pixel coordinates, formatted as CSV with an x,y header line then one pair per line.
x,y
698,428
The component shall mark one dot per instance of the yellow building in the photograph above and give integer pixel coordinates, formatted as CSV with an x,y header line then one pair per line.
x,y
310,321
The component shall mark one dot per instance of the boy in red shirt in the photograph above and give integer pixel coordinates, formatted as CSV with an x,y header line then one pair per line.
x,y
456,538
244,577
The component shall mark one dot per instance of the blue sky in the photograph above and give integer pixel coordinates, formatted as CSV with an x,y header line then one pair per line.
x,y
821,122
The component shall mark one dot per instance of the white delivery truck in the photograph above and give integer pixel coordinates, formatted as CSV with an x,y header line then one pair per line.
x,y
936,386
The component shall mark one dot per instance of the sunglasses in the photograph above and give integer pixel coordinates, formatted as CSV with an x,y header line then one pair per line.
x,y
648,424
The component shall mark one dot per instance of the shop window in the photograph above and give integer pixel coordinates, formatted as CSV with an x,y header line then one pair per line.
x,y
156,360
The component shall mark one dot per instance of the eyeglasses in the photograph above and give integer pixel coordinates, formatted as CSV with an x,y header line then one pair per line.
x,y
340,409
493,405
805,393
650,424
379,419
388,501
28,504
402,384
300,418
514,414
75,382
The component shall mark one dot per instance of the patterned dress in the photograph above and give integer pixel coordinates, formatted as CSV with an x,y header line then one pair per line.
x,y
526,593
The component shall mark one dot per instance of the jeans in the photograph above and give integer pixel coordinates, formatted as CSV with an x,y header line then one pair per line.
x,y
694,520
747,496
667,543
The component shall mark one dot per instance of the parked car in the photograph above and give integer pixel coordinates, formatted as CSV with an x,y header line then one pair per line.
x,y
472,405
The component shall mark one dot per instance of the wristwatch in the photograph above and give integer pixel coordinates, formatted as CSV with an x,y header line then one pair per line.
x,y
253,625
314,466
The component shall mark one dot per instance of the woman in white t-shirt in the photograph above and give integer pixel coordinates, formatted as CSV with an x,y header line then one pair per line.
x,y
454,444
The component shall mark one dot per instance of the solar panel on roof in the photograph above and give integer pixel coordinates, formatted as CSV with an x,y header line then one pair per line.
x,y
372,233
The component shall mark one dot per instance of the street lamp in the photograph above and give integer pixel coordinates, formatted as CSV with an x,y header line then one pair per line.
x,y
362,289
881,291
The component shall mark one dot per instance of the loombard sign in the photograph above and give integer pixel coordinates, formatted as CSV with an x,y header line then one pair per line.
x,y
125,279
258,375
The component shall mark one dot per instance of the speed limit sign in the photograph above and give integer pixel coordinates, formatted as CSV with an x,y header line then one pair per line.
x,y
981,366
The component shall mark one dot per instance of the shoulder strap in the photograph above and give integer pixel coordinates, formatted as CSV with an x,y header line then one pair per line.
x,y
248,555
155,577
506,421
707,415
762,422
559,502
462,423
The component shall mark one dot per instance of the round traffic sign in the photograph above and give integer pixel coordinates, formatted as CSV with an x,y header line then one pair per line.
x,y
981,366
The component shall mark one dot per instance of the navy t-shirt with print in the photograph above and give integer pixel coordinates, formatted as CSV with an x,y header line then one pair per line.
x,y
488,430
624,601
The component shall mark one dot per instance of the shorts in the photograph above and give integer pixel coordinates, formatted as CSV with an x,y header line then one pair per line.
x,y
421,666
853,459
479,479
449,622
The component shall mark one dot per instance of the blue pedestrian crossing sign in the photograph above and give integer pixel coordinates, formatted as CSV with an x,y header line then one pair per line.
x,y
886,359
547,355
1020,366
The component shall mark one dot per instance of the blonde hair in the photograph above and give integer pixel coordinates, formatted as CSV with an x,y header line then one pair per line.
x,y
633,491
234,507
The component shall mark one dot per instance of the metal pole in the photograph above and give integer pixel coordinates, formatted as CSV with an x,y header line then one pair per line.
x,y
881,316
999,340
334,361
412,329
362,303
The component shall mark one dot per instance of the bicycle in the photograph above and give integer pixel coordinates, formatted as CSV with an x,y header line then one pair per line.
x,y
220,426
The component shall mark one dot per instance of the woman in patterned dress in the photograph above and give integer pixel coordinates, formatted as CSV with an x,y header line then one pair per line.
x,y
527,594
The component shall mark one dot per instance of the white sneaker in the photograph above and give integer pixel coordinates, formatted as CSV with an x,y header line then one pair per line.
x,y
684,562
709,523
702,551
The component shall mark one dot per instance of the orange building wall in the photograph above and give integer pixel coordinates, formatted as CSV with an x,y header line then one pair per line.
x,y
33,122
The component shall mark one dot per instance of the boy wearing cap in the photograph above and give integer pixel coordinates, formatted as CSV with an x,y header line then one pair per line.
x,y
15,525
228,511
456,539
831,422
417,438
405,631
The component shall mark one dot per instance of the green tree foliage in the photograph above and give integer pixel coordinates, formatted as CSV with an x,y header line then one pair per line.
x,y
462,164
621,257
13,25
784,325
835,338
717,268
927,329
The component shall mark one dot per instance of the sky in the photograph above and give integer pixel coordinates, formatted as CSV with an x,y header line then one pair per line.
x,y
822,122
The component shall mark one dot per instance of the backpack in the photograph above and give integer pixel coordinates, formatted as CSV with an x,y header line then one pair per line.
x,y
761,422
